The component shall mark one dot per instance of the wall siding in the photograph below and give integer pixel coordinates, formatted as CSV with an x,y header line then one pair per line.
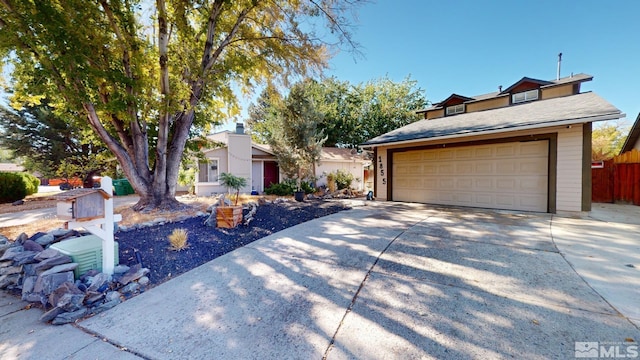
x,y
557,91
354,168
569,178
382,174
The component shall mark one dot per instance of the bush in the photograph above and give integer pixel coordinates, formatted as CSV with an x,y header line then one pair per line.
x,y
178,239
343,179
16,186
288,187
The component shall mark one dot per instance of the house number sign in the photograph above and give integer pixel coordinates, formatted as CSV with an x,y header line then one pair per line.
x,y
382,172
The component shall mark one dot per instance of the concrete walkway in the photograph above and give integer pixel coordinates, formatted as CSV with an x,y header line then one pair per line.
x,y
384,281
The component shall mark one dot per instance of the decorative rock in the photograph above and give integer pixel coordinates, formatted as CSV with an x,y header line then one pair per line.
x,y
60,269
28,284
65,288
93,297
159,221
17,203
51,314
29,269
47,254
200,214
35,236
59,232
181,218
6,280
262,201
71,302
211,220
69,317
106,306
144,281
51,262
120,269
123,228
17,269
48,283
3,239
98,281
4,246
11,252
212,208
31,245
130,288
45,240
135,273
112,295
21,238
24,257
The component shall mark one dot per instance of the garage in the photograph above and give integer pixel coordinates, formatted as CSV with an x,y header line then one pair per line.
x,y
512,176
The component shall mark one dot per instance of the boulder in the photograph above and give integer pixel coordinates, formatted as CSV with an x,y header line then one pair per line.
x,y
31,245
71,302
51,262
7,280
45,239
24,257
47,254
51,314
60,269
69,317
106,306
135,273
11,252
98,281
48,283
21,238
66,288
120,269
16,269
28,284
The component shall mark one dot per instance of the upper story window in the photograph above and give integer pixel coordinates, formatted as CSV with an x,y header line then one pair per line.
x,y
524,96
455,109
208,170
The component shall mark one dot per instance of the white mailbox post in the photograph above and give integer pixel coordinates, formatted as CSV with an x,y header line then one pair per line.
x,y
101,226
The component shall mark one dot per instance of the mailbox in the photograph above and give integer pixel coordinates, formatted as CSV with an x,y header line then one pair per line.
x,y
81,204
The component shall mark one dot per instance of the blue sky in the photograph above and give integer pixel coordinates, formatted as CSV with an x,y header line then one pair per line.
x,y
472,47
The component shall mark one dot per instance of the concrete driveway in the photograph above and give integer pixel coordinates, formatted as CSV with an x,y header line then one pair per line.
x,y
385,281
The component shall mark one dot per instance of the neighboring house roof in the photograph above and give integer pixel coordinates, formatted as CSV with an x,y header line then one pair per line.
x,y
340,154
6,167
567,110
633,137
543,84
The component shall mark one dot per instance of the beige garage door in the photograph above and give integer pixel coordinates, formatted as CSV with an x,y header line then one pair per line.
x,y
509,176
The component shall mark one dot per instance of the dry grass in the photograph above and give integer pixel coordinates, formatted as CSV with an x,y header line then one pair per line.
x,y
129,217
178,239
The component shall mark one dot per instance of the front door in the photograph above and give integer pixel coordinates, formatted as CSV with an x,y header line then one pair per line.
x,y
271,173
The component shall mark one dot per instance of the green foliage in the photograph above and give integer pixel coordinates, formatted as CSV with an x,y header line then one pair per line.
x,y
343,179
187,177
231,181
351,114
607,140
16,186
296,140
147,89
49,143
288,187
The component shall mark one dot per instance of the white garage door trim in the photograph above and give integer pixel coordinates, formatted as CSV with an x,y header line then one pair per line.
x,y
511,176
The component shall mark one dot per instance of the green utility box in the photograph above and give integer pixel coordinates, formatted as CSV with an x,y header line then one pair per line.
x,y
122,187
86,251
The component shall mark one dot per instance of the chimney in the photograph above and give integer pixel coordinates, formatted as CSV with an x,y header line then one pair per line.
x,y
559,62
499,88
239,128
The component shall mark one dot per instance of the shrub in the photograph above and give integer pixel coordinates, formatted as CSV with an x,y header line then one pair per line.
x,y
288,187
341,179
15,186
178,239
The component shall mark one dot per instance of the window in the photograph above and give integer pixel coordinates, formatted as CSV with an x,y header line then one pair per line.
x,y
455,109
524,96
208,171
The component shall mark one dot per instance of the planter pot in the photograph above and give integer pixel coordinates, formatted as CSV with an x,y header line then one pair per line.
x,y
228,216
299,195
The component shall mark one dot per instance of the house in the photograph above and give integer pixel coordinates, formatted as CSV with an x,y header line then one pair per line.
x,y
631,147
239,155
8,167
527,147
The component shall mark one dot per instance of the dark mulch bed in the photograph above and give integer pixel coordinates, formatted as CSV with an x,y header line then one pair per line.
x,y
207,243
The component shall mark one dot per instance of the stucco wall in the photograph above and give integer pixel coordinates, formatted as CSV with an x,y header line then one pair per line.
x,y
239,158
354,168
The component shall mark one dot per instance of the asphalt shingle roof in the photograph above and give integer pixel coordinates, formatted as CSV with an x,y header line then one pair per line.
x,y
580,108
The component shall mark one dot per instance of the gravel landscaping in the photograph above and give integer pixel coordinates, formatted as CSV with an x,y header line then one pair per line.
x,y
206,243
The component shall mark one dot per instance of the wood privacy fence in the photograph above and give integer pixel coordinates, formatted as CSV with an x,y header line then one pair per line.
x,y
618,181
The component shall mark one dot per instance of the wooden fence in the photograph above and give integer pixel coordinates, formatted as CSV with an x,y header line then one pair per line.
x,y
618,181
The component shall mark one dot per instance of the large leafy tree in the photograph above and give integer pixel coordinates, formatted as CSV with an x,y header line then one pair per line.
x,y
149,75
351,114
49,144
607,140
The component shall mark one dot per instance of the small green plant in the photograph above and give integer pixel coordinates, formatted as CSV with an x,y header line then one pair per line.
x,y
178,239
231,181
331,182
187,177
287,187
